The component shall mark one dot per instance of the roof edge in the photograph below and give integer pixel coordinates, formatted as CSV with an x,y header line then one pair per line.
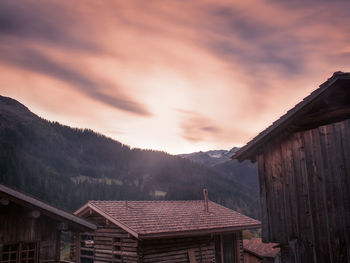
x,y
253,145
258,255
32,201
108,217
198,232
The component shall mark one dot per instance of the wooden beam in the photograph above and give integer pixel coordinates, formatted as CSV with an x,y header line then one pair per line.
x,y
58,246
237,243
77,247
222,248
192,255
322,118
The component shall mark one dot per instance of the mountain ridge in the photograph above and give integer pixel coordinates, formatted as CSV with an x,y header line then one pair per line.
x,y
220,161
69,166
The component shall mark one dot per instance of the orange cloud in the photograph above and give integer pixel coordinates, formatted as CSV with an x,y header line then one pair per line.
x,y
126,68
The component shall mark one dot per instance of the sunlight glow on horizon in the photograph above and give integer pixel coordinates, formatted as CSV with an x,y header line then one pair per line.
x,y
178,77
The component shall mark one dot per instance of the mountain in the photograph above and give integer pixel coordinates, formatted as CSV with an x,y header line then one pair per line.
x,y
219,160
210,158
67,167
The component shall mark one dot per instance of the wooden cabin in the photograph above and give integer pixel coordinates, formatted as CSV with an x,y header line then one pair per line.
x,y
255,251
30,229
161,231
304,175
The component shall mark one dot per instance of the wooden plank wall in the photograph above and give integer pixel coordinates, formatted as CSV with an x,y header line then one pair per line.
x,y
177,249
16,226
305,193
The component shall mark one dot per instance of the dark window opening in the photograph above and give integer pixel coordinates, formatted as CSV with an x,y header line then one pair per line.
x,y
20,252
87,245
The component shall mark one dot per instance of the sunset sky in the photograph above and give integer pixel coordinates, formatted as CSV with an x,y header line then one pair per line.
x,y
178,76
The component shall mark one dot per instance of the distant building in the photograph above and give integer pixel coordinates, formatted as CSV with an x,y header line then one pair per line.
x,y
304,175
30,229
255,251
162,231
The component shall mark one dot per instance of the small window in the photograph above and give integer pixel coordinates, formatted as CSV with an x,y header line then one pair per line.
x,y
9,253
28,252
21,252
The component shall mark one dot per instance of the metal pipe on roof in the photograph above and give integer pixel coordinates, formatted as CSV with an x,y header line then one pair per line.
x,y
206,205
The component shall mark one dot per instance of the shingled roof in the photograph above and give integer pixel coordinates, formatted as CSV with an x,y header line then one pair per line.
x,y
263,250
148,219
319,97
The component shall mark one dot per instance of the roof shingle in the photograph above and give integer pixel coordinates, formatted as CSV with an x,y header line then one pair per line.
x,y
160,217
257,247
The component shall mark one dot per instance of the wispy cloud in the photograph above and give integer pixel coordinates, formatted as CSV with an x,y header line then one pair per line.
x,y
234,65
47,22
196,128
33,60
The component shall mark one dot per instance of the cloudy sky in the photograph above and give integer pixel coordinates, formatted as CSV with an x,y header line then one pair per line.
x,y
172,75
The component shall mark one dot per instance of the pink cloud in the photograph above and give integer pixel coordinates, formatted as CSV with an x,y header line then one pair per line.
x,y
234,66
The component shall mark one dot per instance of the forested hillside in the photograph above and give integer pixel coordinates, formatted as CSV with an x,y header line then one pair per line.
x,y
67,166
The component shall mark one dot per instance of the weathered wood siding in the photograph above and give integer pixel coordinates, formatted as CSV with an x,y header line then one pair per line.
x,y
201,248
111,244
179,249
17,227
305,194
250,258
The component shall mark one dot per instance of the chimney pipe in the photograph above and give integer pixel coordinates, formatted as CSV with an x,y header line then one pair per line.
x,y
126,204
206,206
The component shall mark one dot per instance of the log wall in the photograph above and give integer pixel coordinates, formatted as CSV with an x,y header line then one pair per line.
x,y
179,250
305,194
113,244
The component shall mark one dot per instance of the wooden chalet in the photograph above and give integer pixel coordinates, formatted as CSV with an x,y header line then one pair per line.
x,y
255,251
162,231
30,229
304,175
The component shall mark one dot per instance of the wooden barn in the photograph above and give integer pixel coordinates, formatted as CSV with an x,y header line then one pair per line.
x,y
304,174
30,229
161,231
255,251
